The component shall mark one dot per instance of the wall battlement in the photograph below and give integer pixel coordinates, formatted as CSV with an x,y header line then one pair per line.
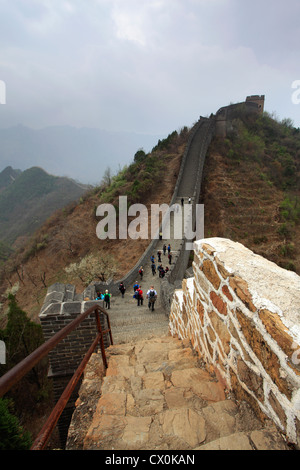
x,y
257,99
242,314
225,115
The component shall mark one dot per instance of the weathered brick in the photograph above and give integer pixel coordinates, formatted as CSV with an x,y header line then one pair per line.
x,y
226,292
218,303
277,408
200,310
253,381
211,274
209,249
263,352
240,287
277,330
211,334
224,273
222,331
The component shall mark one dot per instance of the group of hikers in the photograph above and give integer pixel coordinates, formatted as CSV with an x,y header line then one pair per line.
x,y
138,293
161,270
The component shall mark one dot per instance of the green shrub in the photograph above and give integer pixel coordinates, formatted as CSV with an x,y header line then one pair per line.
x,y
12,435
290,209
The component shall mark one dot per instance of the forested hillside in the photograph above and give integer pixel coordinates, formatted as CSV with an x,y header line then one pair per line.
x,y
28,198
68,237
250,190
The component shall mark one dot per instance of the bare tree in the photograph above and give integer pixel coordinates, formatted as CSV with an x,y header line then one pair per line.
x,y
93,267
107,177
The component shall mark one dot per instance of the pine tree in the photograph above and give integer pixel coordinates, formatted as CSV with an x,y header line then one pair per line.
x,y
22,336
12,435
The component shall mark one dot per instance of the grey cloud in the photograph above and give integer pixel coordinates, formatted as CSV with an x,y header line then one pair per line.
x,y
145,66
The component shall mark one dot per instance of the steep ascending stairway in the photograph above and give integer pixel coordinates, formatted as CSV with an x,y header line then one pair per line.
x,y
190,175
156,396
156,393
128,321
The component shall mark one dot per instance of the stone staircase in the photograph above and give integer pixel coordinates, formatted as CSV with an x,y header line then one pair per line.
x,y
130,322
156,395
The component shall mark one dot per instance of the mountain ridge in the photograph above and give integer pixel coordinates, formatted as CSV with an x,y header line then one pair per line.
x,y
28,198
250,191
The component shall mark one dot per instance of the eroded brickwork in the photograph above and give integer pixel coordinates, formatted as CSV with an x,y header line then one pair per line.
x,y
242,314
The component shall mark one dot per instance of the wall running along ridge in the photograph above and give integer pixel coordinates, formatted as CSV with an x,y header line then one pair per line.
x,y
242,314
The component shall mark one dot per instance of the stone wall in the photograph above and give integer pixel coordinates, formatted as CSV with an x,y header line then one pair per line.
x,y
257,99
242,314
225,115
181,259
206,127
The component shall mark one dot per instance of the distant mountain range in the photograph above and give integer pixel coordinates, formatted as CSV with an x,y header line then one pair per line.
x,y
28,198
79,153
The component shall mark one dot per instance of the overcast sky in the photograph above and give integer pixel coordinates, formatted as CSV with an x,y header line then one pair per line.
x,y
147,66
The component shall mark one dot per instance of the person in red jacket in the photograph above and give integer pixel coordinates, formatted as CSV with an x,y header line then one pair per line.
x,y
139,296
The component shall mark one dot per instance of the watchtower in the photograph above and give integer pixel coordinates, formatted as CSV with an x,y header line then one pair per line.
x,y
259,100
225,115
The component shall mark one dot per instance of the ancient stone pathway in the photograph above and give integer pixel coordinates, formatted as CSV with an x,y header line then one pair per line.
x,y
131,322
156,393
156,396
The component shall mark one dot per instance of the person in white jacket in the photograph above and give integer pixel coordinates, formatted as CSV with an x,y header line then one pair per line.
x,y
151,296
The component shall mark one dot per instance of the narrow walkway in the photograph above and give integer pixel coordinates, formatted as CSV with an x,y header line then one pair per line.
x,y
131,322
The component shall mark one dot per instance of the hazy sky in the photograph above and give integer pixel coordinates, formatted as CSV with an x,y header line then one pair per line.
x,y
148,66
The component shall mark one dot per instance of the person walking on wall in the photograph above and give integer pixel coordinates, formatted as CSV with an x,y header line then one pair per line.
x,y
139,296
153,268
122,289
151,296
107,298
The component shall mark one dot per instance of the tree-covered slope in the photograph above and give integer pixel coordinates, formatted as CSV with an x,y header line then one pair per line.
x,y
251,188
30,198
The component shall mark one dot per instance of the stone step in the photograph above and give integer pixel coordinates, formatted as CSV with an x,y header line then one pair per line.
x,y
256,440
157,395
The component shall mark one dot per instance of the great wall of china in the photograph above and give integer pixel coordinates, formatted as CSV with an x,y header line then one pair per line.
x,y
247,332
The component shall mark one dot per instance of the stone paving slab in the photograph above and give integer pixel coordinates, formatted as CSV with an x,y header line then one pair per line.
x,y
151,400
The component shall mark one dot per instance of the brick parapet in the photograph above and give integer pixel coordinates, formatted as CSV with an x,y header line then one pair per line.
x,y
242,314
